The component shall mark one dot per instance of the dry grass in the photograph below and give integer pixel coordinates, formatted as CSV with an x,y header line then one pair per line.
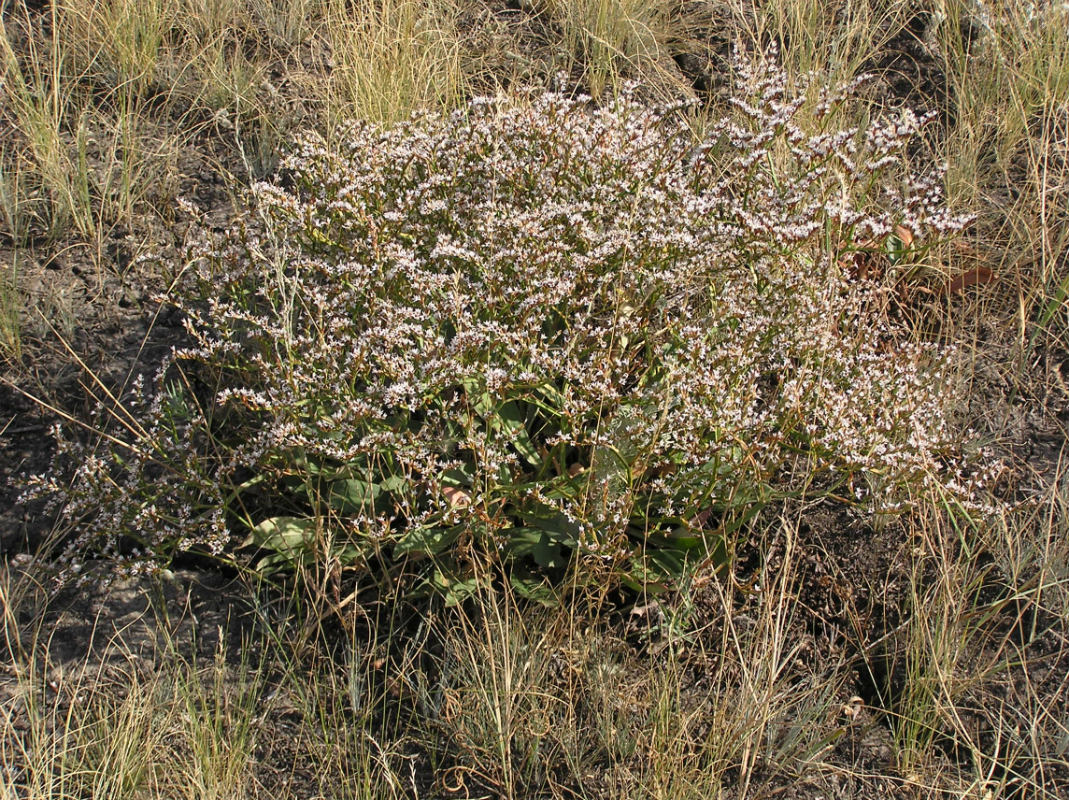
x,y
392,58
608,41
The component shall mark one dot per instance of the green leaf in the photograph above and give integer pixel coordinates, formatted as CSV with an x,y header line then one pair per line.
x,y
272,564
553,399
427,541
739,515
536,544
508,418
458,478
558,528
711,545
352,496
514,423
534,587
478,398
290,538
453,587
565,487
395,484
669,562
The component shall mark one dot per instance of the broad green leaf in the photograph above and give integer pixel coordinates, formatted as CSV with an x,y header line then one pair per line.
x,y
353,496
669,562
566,487
395,484
547,554
552,522
273,563
284,533
514,422
290,538
536,544
427,541
458,478
453,587
533,587
478,398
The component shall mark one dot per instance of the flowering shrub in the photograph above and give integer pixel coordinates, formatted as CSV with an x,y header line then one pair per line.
x,y
563,336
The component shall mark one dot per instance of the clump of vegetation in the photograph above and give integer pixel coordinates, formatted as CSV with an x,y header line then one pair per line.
x,y
569,337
